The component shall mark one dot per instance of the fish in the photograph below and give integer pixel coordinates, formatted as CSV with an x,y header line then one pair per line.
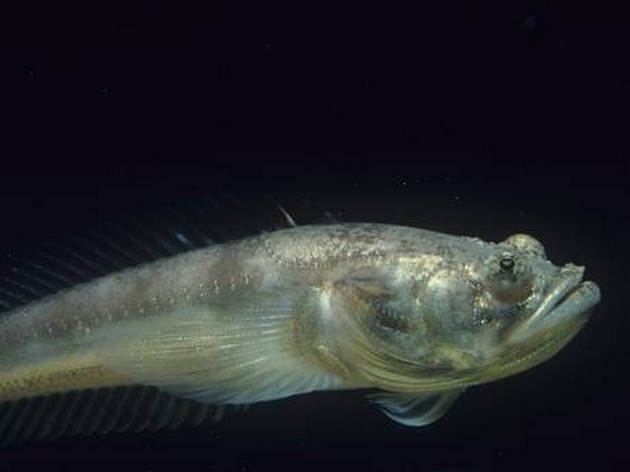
x,y
412,316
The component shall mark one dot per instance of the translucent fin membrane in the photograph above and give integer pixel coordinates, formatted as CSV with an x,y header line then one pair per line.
x,y
412,409
128,240
102,411
241,351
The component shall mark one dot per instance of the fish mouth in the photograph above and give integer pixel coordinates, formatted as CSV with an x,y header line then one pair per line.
x,y
569,301
564,309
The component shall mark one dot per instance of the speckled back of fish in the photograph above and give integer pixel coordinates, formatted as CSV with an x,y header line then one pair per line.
x,y
416,316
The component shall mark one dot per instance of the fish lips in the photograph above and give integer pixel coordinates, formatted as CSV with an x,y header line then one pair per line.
x,y
570,300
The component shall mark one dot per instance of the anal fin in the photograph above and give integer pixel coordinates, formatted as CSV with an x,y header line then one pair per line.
x,y
99,411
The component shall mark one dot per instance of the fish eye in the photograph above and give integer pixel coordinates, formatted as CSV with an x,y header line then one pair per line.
x,y
510,283
507,264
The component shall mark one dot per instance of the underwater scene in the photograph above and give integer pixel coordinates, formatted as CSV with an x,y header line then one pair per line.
x,y
265,238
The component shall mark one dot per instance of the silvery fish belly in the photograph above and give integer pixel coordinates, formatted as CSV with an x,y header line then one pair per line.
x,y
412,315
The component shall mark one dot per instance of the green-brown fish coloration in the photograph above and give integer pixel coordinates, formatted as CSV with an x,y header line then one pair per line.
x,y
415,315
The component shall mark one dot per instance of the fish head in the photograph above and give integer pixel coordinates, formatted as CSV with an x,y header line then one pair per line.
x,y
525,308
466,313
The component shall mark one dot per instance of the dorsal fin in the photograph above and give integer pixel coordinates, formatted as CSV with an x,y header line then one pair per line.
x,y
118,242
332,218
100,411
290,221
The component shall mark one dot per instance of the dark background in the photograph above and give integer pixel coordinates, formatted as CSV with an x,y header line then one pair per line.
x,y
481,119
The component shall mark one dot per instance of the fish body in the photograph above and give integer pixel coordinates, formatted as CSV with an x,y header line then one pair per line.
x,y
415,315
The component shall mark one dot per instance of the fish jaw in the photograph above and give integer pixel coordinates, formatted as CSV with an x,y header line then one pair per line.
x,y
569,301
562,314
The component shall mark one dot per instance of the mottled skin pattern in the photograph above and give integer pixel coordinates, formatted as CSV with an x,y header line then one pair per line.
x,y
396,308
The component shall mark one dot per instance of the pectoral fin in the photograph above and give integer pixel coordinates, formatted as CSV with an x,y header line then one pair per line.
x,y
233,352
414,409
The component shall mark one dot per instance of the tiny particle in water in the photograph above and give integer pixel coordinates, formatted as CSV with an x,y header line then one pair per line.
x,y
530,23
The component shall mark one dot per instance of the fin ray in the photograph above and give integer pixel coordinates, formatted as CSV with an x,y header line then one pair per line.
x,y
237,352
103,411
113,244
412,409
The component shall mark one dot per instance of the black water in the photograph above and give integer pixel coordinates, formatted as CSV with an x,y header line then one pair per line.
x,y
467,119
